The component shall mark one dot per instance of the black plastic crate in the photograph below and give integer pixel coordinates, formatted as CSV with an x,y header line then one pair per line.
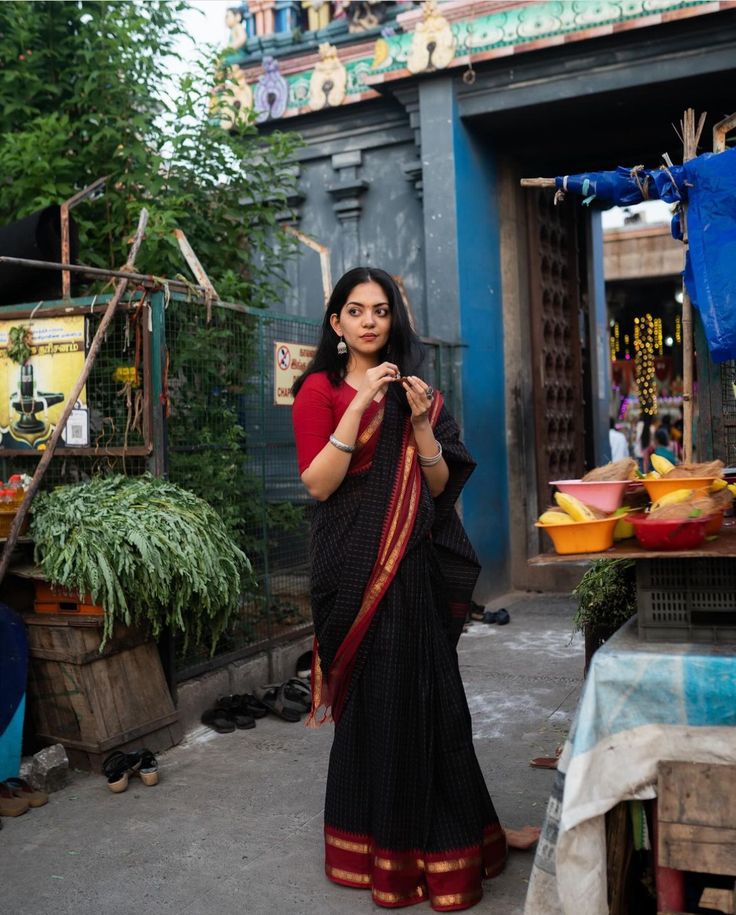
x,y
687,600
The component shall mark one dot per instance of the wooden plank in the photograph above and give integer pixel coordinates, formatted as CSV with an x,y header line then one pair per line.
x,y
619,847
724,546
697,794
705,849
697,817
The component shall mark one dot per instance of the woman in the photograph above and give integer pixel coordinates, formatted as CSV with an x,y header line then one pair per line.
x,y
407,813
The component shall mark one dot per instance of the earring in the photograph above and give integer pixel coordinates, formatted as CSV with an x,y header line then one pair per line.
x,y
342,349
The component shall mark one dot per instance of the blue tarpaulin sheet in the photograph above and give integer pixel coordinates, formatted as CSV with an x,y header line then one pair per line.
x,y
708,185
710,272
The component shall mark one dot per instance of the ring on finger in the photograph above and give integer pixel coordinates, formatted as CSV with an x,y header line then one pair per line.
x,y
429,392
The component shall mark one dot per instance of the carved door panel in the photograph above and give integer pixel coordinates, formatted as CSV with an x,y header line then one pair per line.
x,y
554,281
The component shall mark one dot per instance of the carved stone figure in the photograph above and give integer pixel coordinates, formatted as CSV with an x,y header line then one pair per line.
x,y
433,44
234,17
329,79
237,105
271,93
318,13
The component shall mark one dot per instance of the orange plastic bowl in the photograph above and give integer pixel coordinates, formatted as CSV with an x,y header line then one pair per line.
x,y
581,536
659,488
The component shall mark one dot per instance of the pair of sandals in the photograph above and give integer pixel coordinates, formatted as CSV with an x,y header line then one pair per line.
x,y
17,796
119,767
289,700
236,711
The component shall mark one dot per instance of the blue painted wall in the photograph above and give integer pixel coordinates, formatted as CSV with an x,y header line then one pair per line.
x,y
485,504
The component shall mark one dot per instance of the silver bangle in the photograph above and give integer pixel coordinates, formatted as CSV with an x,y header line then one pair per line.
x,y
430,461
341,446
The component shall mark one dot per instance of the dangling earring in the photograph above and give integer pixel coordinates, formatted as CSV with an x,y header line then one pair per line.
x,y
342,349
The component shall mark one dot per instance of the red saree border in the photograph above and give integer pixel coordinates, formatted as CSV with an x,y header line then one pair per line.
x,y
451,880
328,694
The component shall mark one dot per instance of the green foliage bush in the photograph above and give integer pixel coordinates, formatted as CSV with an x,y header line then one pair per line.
x,y
151,553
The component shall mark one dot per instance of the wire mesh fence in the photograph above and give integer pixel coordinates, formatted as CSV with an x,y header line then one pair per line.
x,y
222,379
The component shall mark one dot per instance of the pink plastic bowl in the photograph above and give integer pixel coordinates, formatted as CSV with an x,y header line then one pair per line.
x,y
606,496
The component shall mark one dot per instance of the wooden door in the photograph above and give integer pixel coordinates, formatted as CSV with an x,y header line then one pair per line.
x,y
557,370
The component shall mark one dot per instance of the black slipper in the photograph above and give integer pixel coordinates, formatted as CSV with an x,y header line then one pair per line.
x,y
238,711
220,720
501,617
273,698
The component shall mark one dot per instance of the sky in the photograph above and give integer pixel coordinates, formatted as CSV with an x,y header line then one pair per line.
x,y
205,23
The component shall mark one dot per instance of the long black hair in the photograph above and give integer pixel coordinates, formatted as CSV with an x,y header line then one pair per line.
x,y
404,347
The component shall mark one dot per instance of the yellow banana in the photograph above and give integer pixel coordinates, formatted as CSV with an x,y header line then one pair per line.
x,y
574,507
652,475
661,464
554,517
672,498
718,485
732,488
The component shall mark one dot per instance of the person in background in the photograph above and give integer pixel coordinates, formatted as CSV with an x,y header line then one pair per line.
x,y
642,441
617,442
662,442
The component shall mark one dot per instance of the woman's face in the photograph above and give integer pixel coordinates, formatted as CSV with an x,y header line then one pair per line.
x,y
364,320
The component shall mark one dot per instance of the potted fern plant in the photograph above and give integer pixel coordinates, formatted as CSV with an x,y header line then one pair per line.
x,y
152,555
606,600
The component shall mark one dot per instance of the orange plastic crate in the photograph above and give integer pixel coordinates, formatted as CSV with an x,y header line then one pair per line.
x,y
57,600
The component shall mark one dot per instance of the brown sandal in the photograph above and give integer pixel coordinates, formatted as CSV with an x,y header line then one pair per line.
x,y
22,789
10,805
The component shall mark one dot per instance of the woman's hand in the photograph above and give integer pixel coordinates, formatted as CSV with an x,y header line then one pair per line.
x,y
420,396
374,381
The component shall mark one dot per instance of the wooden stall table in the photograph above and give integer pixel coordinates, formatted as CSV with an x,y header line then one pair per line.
x,y
643,702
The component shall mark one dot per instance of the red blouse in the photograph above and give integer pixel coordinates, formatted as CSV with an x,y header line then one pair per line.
x,y
318,408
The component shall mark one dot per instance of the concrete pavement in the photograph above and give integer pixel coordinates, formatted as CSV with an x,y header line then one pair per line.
x,y
235,824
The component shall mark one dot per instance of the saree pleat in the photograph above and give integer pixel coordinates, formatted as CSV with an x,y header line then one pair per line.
x,y
407,811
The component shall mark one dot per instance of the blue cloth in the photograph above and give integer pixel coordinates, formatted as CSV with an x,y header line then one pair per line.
x,y
709,272
13,673
633,683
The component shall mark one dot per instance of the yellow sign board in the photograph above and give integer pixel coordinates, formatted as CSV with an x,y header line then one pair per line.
x,y
33,395
290,361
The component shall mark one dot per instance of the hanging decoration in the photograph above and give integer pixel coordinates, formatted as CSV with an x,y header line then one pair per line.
x,y
271,94
329,79
433,44
644,342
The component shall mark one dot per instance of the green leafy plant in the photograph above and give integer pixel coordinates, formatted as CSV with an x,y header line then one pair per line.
x,y
19,343
86,90
150,552
606,596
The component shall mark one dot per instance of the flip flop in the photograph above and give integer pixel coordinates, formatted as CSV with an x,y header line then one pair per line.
x,y
219,719
497,616
21,788
544,762
234,707
244,704
273,698
297,693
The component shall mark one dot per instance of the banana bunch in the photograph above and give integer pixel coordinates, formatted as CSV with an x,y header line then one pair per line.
x,y
570,511
684,504
661,466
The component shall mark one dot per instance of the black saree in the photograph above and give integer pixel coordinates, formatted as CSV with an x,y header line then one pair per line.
x,y
407,811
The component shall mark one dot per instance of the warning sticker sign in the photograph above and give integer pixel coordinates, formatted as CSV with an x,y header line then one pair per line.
x,y
290,360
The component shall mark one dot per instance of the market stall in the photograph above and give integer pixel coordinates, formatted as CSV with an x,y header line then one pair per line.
x,y
662,691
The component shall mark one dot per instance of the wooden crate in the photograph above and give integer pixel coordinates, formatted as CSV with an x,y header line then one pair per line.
x,y
697,817
95,702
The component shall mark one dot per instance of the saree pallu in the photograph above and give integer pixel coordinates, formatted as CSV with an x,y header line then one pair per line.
x,y
407,811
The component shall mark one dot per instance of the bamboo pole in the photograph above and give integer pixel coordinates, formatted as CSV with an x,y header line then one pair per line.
x,y
690,138
144,279
538,182
72,399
